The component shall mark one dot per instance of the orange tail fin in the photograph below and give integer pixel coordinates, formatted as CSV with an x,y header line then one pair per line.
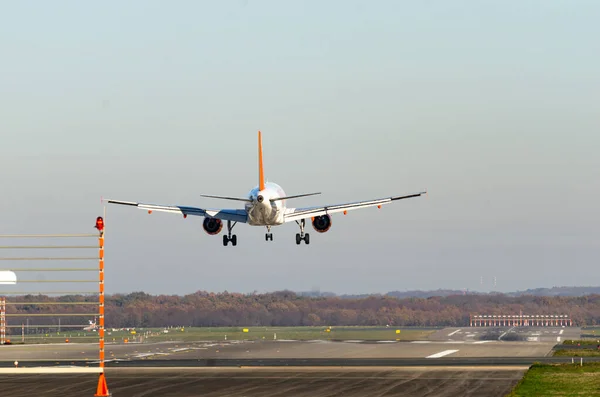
x,y
261,174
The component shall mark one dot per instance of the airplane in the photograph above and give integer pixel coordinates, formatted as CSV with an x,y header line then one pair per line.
x,y
265,206
92,326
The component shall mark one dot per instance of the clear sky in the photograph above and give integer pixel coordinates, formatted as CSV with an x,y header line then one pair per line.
x,y
493,106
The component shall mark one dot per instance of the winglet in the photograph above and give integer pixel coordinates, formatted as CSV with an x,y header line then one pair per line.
x,y
261,174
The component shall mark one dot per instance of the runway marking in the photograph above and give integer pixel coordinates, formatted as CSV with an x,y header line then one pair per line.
x,y
452,333
421,341
455,341
181,349
52,370
108,360
51,344
141,355
561,331
502,336
558,338
323,377
442,354
482,341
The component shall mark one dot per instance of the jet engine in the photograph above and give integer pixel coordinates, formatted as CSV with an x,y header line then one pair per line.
x,y
321,223
212,226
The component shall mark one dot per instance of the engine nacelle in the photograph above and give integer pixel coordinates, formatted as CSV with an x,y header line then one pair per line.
x,y
321,223
212,226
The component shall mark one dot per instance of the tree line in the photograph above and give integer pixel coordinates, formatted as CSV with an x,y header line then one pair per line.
x,y
286,308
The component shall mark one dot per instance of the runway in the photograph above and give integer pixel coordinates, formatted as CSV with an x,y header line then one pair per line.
x,y
273,350
178,382
299,362
451,362
459,345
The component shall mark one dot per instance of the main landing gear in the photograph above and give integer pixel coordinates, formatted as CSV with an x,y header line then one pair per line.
x,y
302,236
227,238
269,235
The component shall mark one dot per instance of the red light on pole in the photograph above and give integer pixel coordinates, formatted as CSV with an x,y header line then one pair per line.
x,y
99,224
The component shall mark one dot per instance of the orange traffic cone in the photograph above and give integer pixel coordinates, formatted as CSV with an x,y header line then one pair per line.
x,y
102,390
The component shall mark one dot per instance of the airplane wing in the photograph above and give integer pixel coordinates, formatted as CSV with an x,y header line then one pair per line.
x,y
294,214
236,215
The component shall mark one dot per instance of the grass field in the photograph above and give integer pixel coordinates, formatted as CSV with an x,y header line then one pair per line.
x,y
582,342
577,353
559,380
586,348
189,334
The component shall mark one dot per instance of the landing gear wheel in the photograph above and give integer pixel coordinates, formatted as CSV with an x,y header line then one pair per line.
x,y
302,236
228,237
269,235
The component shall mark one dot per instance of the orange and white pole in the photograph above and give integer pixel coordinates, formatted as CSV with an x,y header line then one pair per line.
x,y
101,297
102,389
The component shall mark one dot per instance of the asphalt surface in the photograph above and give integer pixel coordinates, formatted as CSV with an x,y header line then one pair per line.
x,y
307,362
455,342
276,350
452,362
177,382
552,335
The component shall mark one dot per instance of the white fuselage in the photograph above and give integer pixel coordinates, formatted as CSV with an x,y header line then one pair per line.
x,y
262,211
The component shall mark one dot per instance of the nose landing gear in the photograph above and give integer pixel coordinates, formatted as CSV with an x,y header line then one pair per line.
x,y
269,235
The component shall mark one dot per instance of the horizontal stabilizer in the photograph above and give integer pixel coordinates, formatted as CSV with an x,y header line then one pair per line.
x,y
227,198
296,196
